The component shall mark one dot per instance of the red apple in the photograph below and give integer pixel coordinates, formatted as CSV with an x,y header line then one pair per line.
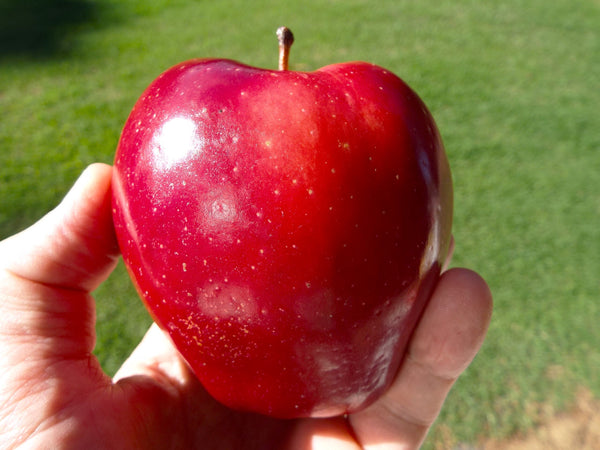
x,y
285,228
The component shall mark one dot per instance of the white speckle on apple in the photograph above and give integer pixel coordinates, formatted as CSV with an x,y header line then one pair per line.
x,y
184,267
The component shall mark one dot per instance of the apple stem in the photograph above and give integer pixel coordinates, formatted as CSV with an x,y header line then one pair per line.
x,y
286,39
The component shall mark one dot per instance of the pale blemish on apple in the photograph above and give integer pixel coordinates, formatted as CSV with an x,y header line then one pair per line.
x,y
226,303
223,210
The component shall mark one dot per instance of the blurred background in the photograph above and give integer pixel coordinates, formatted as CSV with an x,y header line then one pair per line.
x,y
515,89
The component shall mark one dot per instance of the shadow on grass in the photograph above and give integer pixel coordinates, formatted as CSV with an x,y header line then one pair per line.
x,y
41,28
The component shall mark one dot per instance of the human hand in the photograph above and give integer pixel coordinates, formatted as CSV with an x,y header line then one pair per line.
x,y
54,394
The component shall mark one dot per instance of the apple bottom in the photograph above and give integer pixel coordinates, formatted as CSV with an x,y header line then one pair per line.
x,y
292,371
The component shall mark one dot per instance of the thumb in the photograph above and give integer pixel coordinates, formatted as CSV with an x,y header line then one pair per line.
x,y
48,270
73,246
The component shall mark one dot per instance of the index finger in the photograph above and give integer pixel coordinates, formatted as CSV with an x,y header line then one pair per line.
x,y
444,343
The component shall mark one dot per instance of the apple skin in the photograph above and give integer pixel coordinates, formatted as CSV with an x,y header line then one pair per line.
x,y
285,228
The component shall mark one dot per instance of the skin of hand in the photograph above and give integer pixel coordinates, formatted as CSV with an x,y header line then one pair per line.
x,y
54,394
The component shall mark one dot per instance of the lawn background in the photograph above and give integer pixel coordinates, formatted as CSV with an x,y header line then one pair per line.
x,y
514,87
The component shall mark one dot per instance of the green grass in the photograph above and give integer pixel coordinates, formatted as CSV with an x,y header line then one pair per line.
x,y
514,87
